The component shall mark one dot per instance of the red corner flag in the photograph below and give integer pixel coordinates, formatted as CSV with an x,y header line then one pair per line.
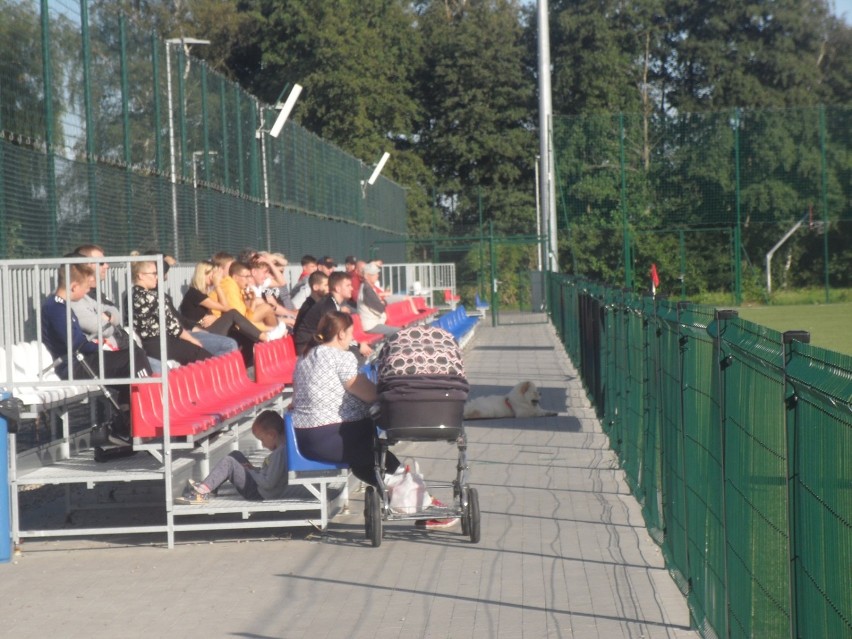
x,y
655,279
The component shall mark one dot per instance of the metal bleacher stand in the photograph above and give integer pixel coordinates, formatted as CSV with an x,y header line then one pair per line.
x,y
161,463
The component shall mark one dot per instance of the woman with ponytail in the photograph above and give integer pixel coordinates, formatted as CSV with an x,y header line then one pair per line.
x,y
332,400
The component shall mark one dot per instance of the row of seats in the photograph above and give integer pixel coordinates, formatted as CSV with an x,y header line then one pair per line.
x,y
275,361
400,314
31,365
201,396
457,322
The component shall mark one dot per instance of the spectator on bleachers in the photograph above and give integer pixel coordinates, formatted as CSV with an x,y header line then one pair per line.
x,y
357,279
339,290
252,483
332,400
86,308
181,345
212,342
199,308
281,263
263,284
318,281
239,296
349,266
55,334
371,307
387,296
300,290
326,264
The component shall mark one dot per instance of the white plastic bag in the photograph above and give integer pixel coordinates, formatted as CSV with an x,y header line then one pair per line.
x,y
407,490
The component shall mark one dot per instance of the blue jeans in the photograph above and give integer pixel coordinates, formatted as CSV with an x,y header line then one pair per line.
x,y
215,344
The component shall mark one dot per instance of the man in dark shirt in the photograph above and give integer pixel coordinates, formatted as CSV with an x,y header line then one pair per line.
x,y
340,290
318,282
55,331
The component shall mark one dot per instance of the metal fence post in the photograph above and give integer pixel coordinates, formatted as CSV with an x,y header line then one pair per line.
x,y
47,71
5,487
791,430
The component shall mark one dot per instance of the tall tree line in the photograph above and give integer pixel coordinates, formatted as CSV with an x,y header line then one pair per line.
x,y
449,87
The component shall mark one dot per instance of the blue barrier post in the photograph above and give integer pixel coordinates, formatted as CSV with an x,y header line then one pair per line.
x,y
5,516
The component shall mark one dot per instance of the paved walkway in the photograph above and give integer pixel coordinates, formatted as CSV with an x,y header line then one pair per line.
x,y
564,551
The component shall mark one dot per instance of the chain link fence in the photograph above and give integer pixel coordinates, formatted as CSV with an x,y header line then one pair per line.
x,y
111,135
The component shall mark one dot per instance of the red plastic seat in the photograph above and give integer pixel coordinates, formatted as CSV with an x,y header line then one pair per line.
x,y
201,395
422,309
360,335
274,362
400,314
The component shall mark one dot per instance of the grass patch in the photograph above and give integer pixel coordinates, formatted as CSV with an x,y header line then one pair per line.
x,y
828,324
784,297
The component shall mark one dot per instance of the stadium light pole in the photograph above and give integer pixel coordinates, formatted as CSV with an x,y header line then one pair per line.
x,y
195,156
185,42
283,113
545,125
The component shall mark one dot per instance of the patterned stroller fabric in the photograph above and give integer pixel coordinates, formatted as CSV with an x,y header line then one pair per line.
x,y
422,387
420,350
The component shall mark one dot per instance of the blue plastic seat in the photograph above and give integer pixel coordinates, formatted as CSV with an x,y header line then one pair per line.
x,y
296,461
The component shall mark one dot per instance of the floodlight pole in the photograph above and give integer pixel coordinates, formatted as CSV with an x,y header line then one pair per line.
x,y
195,156
172,155
260,133
545,124
275,131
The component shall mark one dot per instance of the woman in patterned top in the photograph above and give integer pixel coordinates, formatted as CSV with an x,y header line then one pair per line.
x,y
181,346
331,402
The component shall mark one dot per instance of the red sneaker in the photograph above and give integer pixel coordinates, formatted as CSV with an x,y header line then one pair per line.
x,y
437,524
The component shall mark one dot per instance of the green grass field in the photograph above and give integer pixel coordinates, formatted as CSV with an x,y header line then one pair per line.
x,y
830,325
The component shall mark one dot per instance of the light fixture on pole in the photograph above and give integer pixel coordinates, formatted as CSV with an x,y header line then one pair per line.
x,y
275,131
185,42
286,108
195,156
375,175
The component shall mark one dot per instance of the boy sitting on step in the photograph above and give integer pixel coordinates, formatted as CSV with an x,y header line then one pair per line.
x,y
253,483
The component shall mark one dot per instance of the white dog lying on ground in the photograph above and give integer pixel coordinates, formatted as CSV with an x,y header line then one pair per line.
x,y
522,401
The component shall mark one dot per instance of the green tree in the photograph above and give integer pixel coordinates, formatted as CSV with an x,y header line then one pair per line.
x,y
746,54
357,60
476,132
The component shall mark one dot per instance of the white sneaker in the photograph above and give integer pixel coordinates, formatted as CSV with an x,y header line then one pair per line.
x,y
278,332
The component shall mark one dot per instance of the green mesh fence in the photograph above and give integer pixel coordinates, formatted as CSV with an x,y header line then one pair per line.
x,y
112,136
737,452
819,385
702,448
755,468
634,386
705,196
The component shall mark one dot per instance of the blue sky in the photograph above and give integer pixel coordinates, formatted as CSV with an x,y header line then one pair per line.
x,y
844,6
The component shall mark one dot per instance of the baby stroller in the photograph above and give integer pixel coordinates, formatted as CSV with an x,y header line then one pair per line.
x,y
422,390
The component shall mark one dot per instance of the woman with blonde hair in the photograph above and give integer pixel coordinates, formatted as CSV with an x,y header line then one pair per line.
x,y
199,307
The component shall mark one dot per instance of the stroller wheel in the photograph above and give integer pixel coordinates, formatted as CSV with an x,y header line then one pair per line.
x,y
471,516
373,516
